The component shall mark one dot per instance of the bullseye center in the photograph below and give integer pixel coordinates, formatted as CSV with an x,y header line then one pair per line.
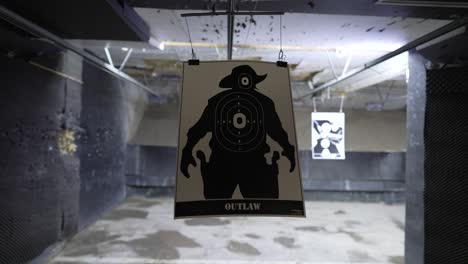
x,y
239,120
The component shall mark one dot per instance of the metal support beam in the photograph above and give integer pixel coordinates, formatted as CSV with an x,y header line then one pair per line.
x,y
230,29
348,62
127,56
413,44
109,57
28,26
332,66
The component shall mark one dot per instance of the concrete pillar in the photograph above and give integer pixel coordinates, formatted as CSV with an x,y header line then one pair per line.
x,y
414,240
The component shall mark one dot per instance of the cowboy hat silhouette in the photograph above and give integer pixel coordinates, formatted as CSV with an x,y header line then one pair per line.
x,y
242,77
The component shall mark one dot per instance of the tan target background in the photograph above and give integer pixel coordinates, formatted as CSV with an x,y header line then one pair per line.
x,y
200,82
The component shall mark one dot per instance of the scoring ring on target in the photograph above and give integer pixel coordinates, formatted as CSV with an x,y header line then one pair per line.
x,y
245,81
239,122
240,132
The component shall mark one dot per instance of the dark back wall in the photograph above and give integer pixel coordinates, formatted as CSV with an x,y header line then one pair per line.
x,y
102,144
155,166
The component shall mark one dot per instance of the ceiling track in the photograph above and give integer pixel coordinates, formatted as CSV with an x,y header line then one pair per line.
x,y
40,32
413,44
230,13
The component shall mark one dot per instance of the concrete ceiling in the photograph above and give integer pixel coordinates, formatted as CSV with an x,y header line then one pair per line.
x,y
306,38
110,19
317,47
425,9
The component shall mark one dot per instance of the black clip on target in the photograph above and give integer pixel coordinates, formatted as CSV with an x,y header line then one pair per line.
x,y
194,62
282,64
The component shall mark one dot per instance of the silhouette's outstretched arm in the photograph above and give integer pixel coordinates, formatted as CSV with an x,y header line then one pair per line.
x,y
278,134
195,133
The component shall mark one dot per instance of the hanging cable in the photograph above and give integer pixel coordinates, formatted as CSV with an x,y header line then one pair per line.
x,y
341,103
194,57
315,106
281,56
251,21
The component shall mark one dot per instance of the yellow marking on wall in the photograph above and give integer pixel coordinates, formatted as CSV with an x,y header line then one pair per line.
x,y
66,142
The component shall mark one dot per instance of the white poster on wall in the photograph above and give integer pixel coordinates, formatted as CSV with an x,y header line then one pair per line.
x,y
328,135
237,151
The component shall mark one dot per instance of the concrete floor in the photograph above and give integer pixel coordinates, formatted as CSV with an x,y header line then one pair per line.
x,y
142,230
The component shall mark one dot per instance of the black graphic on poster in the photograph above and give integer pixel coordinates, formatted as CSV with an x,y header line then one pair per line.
x,y
328,135
239,118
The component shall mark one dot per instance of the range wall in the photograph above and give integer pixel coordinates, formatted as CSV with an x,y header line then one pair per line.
x,y
63,144
375,154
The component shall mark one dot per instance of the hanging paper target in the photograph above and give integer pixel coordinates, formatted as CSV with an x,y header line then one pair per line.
x,y
237,148
239,121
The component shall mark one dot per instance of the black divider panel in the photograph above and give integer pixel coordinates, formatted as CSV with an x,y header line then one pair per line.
x,y
446,167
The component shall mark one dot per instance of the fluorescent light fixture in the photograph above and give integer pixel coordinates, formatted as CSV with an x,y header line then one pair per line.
x,y
156,43
368,47
426,3
124,48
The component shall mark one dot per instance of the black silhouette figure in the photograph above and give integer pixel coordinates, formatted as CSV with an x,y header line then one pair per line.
x,y
240,120
329,138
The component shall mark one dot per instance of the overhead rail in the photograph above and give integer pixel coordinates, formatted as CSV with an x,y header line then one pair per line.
x,y
407,47
40,32
231,13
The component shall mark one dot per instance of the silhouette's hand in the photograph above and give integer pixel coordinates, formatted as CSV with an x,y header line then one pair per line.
x,y
288,152
201,156
187,159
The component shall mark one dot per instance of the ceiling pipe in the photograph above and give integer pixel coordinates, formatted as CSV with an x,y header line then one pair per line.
x,y
28,26
413,44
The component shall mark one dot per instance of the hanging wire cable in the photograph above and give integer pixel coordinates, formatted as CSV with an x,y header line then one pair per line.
x,y
281,56
251,21
194,57
342,102
389,91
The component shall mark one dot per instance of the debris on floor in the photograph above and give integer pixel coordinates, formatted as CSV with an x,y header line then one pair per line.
x,y
142,230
